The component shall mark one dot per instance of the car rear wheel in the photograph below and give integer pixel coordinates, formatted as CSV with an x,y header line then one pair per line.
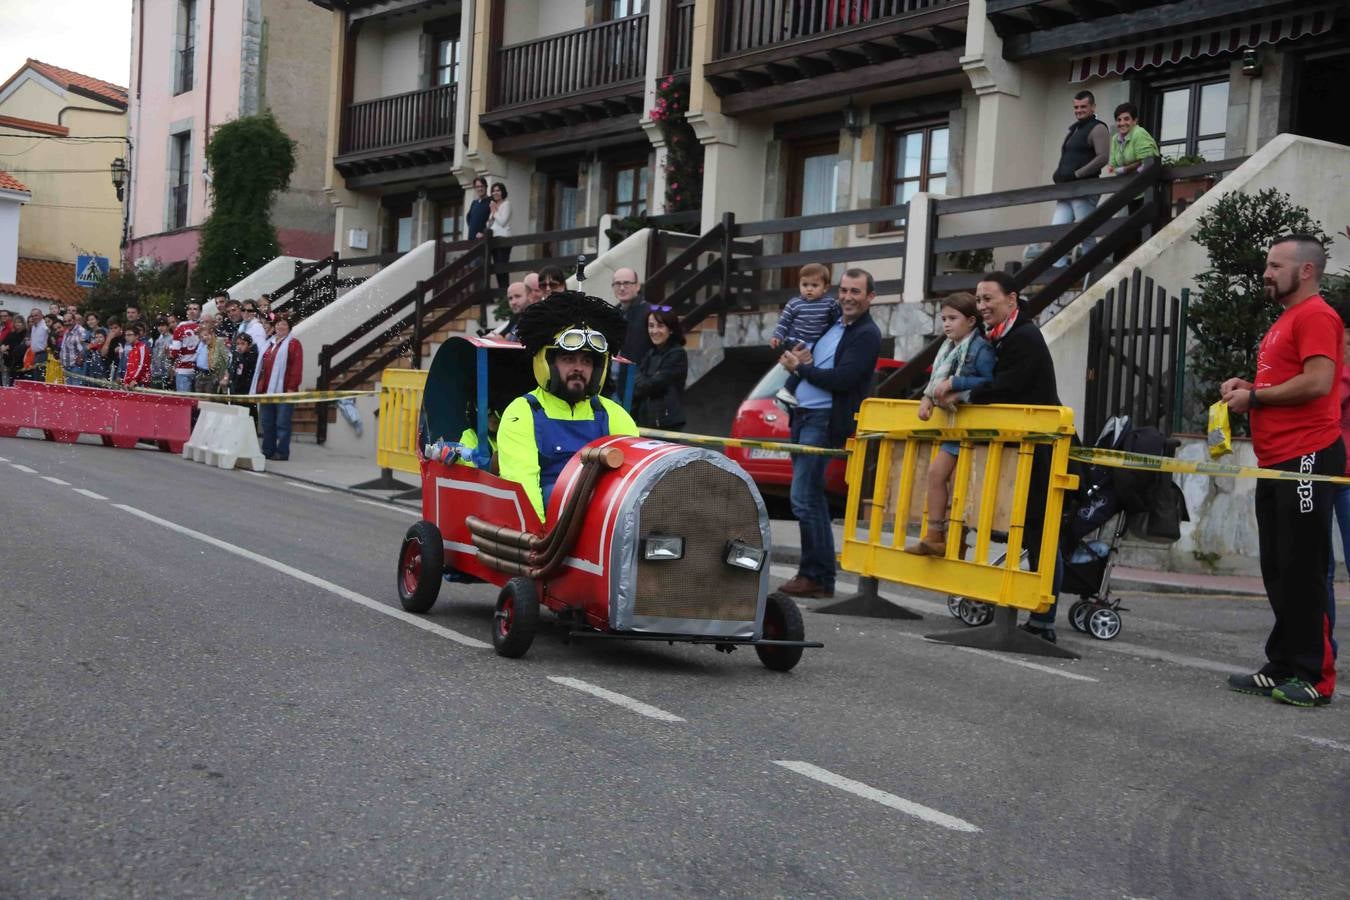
x,y
782,622
421,565
517,618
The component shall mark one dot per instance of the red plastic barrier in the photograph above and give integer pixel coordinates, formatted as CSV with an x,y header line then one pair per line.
x,y
120,419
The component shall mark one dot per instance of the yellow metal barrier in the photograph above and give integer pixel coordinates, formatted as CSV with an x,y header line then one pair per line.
x,y
994,441
400,408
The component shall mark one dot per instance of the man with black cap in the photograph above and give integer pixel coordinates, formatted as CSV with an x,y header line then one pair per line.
x,y
571,338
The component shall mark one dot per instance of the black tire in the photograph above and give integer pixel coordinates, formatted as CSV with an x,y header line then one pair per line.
x,y
954,605
782,622
1078,615
1103,623
421,565
516,619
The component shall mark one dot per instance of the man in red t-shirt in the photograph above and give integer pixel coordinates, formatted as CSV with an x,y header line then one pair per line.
x,y
183,348
1295,422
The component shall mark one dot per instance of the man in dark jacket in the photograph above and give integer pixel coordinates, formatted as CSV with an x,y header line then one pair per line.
x,y
1085,151
836,375
1024,374
477,217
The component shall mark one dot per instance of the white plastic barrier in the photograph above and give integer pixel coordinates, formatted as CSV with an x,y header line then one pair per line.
x,y
224,437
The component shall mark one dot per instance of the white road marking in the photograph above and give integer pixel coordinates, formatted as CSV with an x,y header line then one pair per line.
x,y
253,473
1195,662
24,469
309,487
54,480
858,789
90,494
1012,660
626,702
316,581
1324,742
4,459
396,508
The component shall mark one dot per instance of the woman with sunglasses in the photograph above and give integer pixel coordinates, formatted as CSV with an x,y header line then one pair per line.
x,y
658,391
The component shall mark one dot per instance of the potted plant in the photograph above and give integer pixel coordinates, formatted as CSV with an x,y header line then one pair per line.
x,y
1185,191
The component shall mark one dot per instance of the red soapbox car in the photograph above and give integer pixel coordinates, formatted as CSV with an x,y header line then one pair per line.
x,y
642,539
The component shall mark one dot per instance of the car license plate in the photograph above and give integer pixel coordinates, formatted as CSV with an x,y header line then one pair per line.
x,y
759,453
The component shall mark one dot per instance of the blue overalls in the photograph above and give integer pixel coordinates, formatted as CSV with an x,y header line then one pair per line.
x,y
558,439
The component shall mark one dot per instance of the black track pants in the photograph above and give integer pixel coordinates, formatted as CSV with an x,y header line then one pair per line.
x,y
1293,523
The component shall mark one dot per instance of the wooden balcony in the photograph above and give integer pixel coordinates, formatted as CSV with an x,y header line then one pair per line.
x,y
780,52
403,131
1036,28
589,80
680,38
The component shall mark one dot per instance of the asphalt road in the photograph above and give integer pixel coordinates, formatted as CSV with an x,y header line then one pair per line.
x,y
200,696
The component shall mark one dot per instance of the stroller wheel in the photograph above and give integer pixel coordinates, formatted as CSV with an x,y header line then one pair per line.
x,y
1103,623
1078,614
976,613
954,605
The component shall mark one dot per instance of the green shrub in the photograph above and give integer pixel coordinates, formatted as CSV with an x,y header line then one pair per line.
x,y
251,160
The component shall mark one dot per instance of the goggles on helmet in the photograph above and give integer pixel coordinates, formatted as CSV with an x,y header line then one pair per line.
x,y
574,340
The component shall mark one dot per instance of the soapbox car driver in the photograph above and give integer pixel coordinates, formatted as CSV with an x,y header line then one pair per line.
x,y
570,338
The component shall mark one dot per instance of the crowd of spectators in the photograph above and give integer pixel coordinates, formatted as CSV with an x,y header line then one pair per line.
x,y
243,349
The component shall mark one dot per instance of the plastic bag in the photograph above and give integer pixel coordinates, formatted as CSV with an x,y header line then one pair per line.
x,y
1220,434
347,407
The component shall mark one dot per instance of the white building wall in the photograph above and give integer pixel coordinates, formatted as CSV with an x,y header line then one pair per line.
x,y
10,205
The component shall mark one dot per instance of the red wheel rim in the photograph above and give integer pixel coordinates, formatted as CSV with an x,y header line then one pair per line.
x,y
410,566
506,615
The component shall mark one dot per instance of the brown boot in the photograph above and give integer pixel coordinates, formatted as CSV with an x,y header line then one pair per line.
x,y
933,543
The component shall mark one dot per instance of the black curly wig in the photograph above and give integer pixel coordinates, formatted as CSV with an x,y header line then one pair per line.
x,y
540,324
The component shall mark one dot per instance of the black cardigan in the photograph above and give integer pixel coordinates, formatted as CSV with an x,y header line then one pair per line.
x,y
1025,374
658,393
1024,371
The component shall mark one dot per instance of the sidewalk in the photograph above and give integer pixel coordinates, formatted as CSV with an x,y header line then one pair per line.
x,y
322,467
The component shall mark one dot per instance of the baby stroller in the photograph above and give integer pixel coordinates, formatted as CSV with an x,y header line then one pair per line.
x,y
1108,502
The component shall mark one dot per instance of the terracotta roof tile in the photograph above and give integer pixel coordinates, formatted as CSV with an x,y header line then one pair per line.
x,y
23,290
30,125
9,183
103,90
51,276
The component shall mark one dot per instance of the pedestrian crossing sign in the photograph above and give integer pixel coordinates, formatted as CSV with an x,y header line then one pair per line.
x,y
90,270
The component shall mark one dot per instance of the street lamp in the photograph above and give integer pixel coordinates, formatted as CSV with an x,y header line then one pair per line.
x,y
119,175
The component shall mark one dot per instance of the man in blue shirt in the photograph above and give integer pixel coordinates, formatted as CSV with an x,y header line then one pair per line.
x,y
836,375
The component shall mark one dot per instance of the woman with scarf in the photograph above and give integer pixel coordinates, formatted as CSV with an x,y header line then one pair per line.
x,y
279,373
964,362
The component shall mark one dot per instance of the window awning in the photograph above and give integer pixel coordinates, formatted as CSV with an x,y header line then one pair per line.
x,y
1205,42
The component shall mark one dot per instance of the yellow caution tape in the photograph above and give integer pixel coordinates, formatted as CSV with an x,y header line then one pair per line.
x,y
298,397
709,440
1121,459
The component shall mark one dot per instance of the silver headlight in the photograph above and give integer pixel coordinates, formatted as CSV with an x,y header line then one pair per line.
x,y
661,547
743,556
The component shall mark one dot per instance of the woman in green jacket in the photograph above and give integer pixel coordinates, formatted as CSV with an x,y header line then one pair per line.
x,y
1131,145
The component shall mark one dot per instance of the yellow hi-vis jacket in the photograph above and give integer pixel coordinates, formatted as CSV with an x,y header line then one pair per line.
x,y
517,451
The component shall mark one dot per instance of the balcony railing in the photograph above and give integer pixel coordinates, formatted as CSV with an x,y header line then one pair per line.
x,y
752,24
679,46
410,118
573,62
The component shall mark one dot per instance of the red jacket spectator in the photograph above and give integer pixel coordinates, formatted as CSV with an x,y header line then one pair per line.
x,y
290,381
138,364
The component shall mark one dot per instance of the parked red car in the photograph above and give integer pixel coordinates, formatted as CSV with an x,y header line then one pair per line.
x,y
761,416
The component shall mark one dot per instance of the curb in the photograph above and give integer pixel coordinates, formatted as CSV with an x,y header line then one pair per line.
x,y
366,495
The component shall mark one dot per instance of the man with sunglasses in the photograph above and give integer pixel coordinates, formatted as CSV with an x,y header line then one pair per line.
x,y
569,337
256,331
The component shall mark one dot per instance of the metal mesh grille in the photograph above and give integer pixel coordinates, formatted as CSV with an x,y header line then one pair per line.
x,y
707,506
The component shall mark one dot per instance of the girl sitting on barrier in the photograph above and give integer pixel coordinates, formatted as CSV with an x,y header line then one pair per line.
x,y
966,360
